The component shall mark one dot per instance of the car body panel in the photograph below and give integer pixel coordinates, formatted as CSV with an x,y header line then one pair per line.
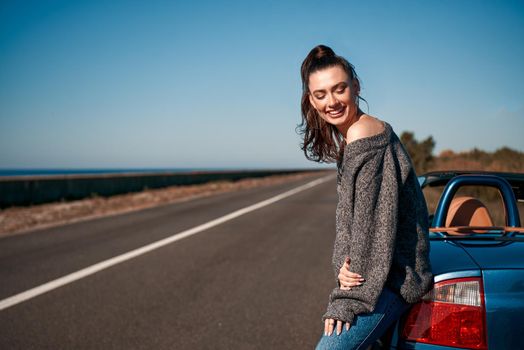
x,y
439,253
496,255
504,298
503,279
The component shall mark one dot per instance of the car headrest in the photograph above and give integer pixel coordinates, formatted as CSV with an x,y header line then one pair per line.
x,y
468,211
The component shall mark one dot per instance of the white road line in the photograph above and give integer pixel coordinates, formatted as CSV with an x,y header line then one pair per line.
x,y
59,282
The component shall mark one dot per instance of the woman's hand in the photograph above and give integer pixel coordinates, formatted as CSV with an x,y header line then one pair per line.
x,y
329,326
348,279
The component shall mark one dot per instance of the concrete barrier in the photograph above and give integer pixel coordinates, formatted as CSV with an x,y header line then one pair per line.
x,y
28,190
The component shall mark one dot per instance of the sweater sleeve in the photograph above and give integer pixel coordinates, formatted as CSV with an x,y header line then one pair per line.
x,y
372,235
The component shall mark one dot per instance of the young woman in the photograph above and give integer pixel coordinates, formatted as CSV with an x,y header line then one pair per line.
x,y
381,217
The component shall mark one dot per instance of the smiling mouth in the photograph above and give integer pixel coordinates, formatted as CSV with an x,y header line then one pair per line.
x,y
337,112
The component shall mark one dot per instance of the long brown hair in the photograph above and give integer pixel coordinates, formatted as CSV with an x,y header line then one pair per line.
x,y
322,141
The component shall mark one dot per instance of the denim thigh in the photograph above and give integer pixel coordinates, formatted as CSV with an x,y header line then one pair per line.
x,y
367,328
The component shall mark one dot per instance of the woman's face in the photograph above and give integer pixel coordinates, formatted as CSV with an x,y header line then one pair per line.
x,y
333,95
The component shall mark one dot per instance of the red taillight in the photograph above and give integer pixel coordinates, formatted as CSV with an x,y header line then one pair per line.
x,y
452,314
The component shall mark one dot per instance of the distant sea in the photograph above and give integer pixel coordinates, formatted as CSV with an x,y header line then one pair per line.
x,y
32,172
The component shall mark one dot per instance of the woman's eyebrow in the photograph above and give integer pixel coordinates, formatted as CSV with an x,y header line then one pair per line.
x,y
334,87
342,83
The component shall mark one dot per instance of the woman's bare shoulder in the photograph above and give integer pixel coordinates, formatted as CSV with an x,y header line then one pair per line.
x,y
366,126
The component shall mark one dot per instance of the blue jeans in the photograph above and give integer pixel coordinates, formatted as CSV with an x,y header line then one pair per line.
x,y
367,328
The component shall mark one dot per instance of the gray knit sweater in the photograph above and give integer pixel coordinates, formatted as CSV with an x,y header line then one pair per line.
x,y
382,225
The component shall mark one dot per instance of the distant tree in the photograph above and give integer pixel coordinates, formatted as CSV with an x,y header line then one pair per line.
x,y
479,155
507,159
507,154
447,153
420,152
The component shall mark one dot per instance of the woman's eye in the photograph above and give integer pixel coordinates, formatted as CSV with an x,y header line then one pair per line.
x,y
341,90
319,97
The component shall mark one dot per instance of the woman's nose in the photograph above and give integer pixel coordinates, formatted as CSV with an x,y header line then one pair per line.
x,y
332,101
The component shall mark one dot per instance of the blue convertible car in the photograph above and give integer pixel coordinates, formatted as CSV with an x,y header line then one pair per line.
x,y
477,257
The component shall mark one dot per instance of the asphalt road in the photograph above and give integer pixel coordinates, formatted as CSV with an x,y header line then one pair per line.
x,y
258,281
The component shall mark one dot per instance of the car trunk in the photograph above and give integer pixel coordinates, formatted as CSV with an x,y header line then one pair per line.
x,y
502,266
449,257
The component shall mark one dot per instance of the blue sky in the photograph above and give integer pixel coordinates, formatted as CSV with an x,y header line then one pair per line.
x,y
211,84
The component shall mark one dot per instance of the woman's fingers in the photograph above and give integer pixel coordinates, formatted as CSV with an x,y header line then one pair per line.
x,y
339,327
344,271
350,274
346,281
350,282
330,324
351,277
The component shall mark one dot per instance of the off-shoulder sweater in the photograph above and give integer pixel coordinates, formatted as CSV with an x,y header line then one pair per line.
x,y
381,224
